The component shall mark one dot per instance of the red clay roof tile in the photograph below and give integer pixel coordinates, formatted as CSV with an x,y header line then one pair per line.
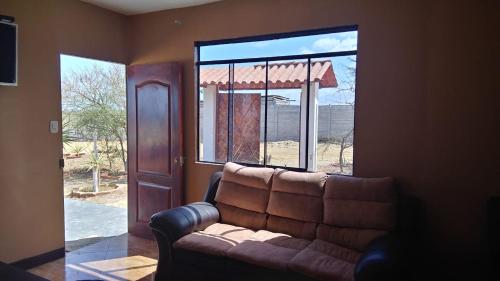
x,y
289,75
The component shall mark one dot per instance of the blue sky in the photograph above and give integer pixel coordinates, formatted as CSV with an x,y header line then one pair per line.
x,y
344,41
78,64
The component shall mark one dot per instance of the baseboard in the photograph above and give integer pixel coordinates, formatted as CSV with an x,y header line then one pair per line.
x,y
35,261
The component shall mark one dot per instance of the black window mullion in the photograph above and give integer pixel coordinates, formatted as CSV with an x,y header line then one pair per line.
x,y
265,115
275,36
230,93
281,58
198,133
307,110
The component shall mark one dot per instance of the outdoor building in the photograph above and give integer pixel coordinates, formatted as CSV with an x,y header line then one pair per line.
x,y
248,106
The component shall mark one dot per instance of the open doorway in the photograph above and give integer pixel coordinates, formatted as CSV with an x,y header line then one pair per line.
x,y
94,133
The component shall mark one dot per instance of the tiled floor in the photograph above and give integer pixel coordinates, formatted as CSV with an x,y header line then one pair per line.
x,y
120,258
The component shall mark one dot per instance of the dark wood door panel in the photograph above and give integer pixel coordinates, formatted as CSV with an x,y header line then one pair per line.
x,y
153,128
154,115
152,198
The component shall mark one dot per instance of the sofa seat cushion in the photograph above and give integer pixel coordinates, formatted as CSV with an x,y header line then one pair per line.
x,y
295,228
326,261
215,239
268,249
353,238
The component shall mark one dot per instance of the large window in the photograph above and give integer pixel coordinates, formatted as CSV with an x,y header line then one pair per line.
x,y
284,100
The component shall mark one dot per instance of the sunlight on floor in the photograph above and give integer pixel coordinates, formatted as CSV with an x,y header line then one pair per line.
x,y
128,268
120,258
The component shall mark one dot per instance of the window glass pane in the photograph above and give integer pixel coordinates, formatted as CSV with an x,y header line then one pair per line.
x,y
286,113
312,44
213,113
332,101
248,109
307,121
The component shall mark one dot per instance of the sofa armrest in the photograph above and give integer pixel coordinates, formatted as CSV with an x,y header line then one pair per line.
x,y
213,185
170,225
177,222
384,259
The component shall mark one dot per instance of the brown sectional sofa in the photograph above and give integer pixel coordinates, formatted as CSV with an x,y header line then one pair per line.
x,y
274,224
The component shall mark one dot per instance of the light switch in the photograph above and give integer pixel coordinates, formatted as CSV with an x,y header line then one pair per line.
x,y
54,127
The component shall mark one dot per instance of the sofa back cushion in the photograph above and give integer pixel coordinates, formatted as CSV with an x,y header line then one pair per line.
x,y
296,204
357,210
243,195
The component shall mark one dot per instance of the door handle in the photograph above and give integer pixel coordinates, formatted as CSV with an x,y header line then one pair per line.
x,y
179,161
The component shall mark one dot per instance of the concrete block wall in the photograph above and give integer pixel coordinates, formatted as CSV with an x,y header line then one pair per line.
x,y
283,122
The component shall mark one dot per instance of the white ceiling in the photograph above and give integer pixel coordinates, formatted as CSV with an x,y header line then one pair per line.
x,y
134,7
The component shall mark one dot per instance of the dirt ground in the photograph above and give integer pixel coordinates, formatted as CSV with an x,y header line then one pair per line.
x,y
117,198
77,175
286,153
283,153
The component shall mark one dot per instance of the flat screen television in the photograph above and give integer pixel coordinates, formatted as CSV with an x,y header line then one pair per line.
x,y
8,53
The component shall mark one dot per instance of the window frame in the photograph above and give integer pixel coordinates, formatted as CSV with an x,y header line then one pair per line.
x,y
267,59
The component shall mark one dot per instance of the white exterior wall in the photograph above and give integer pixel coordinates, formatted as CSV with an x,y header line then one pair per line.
x,y
209,122
313,125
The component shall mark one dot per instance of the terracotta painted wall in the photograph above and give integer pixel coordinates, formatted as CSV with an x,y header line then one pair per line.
x,y
426,110
31,184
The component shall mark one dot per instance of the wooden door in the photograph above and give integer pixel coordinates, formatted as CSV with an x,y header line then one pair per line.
x,y
154,114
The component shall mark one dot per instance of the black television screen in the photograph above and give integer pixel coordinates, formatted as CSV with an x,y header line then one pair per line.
x,y
8,53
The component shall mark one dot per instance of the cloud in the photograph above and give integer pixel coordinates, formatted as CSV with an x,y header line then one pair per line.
x,y
326,44
332,44
261,44
306,51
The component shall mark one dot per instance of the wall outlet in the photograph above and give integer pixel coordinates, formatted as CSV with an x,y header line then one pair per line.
x,y
54,127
